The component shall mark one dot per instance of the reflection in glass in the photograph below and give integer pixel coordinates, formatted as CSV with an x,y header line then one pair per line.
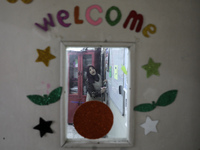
x,y
87,60
73,74
108,62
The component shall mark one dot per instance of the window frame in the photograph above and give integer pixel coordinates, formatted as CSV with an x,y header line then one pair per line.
x,y
120,142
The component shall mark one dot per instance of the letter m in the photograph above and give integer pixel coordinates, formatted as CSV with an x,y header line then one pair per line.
x,y
136,17
46,23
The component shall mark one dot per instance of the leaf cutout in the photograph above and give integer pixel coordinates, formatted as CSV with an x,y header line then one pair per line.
x,y
167,98
145,107
37,99
54,96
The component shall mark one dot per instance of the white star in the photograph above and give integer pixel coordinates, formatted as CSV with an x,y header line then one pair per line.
x,y
149,126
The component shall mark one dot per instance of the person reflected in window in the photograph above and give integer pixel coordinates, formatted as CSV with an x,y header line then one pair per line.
x,y
94,85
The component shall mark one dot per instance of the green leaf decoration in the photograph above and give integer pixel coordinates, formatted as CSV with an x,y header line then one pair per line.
x,y
164,100
53,97
37,99
145,107
167,98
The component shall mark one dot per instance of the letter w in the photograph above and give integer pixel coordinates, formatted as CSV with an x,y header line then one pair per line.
x,y
46,23
135,17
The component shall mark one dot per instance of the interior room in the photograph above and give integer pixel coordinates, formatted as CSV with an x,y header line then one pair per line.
x,y
107,62
140,56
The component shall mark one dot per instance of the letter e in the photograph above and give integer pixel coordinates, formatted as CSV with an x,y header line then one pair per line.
x,y
61,18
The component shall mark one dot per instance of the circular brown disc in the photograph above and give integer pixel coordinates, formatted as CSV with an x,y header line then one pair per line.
x,y
12,1
27,1
93,119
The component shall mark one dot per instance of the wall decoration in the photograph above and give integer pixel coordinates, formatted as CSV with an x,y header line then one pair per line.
x,y
165,99
133,15
93,119
89,19
149,126
53,97
148,28
151,68
63,15
27,1
46,23
44,56
134,19
118,18
44,127
12,1
76,15
24,1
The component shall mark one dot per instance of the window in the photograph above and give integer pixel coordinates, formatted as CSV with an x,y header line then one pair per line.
x,y
114,62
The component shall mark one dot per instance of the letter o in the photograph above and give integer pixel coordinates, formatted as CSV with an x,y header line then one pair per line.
x,y
119,15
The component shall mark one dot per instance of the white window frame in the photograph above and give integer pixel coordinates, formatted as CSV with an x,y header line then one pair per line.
x,y
102,142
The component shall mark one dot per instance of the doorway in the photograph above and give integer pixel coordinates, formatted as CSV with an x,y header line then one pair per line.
x,y
112,61
78,62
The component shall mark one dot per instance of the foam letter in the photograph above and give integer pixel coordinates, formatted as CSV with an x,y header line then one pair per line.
x,y
148,28
135,17
76,15
46,23
61,18
89,19
119,15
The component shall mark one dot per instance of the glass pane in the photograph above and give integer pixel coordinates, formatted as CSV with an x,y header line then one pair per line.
x,y
87,60
73,74
111,64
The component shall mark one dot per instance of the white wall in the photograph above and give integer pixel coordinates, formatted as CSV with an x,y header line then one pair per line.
x,y
175,45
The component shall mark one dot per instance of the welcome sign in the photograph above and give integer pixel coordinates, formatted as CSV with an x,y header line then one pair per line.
x,y
134,19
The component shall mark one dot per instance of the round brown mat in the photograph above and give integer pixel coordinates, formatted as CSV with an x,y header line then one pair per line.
x,y
93,119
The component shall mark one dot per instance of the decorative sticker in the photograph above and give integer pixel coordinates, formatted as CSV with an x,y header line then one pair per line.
x,y
151,68
44,127
165,99
93,119
53,97
147,29
149,126
44,56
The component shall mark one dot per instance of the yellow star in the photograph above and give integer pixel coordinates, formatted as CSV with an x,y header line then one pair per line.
x,y
44,56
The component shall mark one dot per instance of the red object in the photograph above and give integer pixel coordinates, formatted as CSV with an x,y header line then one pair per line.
x,y
93,119
76,79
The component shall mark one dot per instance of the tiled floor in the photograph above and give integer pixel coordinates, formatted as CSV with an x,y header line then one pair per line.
x,y
72,133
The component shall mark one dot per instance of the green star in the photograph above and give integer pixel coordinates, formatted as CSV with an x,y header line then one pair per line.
x,y
151,68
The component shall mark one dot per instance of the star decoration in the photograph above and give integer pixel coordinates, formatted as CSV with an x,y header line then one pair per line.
x,y
44,127
151,68
149,126
44,56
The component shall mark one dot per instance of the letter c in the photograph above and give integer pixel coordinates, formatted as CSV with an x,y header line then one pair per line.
x,y
88,17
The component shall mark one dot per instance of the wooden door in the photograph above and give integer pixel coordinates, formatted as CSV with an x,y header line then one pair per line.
x,y
78,62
